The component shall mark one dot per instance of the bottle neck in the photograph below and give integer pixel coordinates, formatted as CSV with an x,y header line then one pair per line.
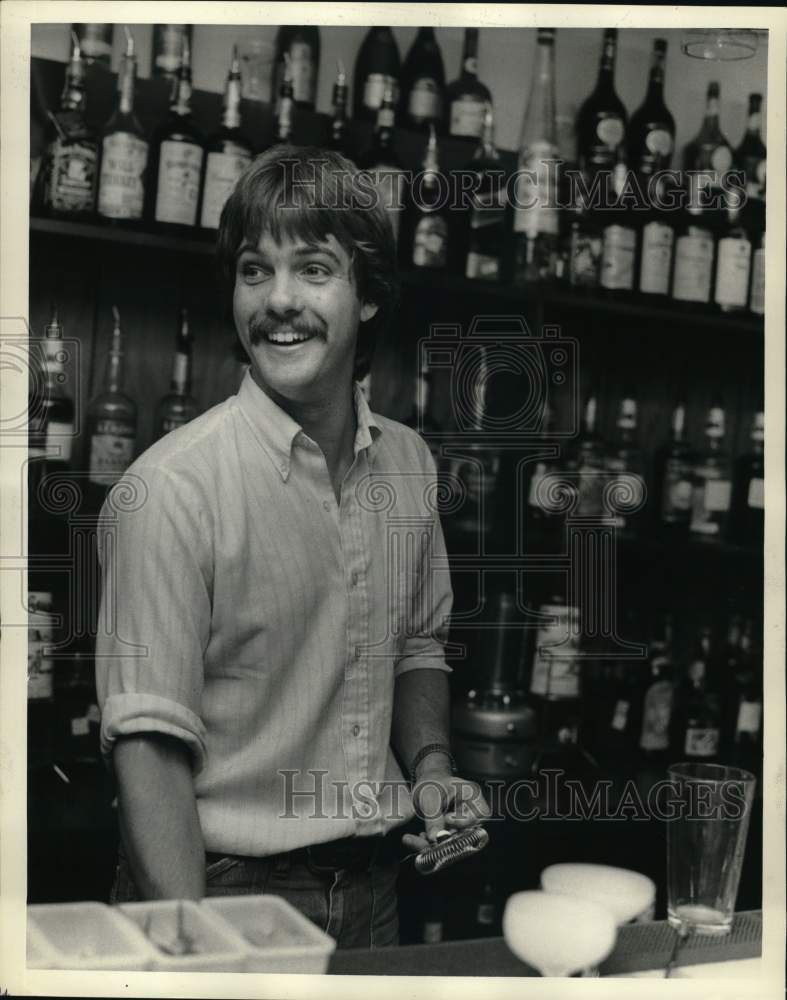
x,y
340,102
383,128
114,373
656,79
284,117
182,103
606,72
470,54
540,117
127,80
180,382
710,123
231,115
754,124
73,96
678,420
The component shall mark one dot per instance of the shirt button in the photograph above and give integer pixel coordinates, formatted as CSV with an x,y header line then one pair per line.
x,y
282,468
326,504
356,730
354,579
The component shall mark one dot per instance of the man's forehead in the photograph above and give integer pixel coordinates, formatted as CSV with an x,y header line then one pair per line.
x,y
291,245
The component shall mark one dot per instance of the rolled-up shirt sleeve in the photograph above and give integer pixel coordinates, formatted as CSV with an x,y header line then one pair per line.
x,y
432,597
154,623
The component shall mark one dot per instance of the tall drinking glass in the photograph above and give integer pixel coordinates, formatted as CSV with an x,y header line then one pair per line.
x,y
706,837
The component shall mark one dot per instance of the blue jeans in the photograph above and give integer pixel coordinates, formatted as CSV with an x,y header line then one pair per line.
x,y
358,909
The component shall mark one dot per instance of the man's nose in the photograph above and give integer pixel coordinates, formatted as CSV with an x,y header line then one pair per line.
x,y
283,295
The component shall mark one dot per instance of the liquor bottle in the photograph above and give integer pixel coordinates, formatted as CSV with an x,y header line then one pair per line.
x,y
487,217
757,293
229,152
543,523
178,152
382,163
422,98
535,210
624,722
377,70
285,107
178,406
657,240
692,270
623,458
657,703
111,418
169,42
339,140
467,97
72,155
51,412
95,42
585,243
487,915
619,239
748,493
674,476
586,461
300,44
601,123
124,152
651,132
748,702
555,673
710,500
425,232
733,259
701,707
709,150
751,155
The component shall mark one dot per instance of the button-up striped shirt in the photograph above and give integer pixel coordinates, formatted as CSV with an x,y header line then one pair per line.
x,y
248,614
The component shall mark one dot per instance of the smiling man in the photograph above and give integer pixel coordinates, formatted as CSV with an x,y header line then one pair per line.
x,y
275,681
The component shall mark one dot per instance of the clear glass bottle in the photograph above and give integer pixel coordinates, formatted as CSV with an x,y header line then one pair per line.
x,y
300,46
467,96
111,418
536,224
228,151
124,152
178,407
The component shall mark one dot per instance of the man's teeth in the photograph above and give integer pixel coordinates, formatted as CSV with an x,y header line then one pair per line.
x,y
288,338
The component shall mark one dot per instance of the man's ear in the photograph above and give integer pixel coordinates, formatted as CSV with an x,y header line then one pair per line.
x,y
368,310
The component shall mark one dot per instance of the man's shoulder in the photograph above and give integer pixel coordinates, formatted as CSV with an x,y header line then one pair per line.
x,y
402,442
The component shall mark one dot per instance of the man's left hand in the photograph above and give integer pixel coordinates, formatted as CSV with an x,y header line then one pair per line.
x,y
445,802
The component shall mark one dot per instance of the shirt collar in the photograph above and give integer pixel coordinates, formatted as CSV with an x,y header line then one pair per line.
x,y
277,432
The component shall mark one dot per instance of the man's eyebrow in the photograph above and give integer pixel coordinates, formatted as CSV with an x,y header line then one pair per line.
x,y
310,248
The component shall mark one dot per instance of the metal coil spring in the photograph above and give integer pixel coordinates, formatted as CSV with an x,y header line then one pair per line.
x,y
452,847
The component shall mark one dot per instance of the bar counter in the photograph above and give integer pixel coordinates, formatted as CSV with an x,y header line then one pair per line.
x,y
639,947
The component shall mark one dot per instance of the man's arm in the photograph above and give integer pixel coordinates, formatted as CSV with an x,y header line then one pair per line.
x,y
158,817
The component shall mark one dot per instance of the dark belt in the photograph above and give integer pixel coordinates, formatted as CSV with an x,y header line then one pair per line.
x,y
349,853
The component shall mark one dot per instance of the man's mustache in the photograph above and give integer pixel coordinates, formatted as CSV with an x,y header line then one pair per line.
x,y
260,329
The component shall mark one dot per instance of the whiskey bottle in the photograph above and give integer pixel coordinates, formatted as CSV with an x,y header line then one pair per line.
x,y
339,140
487,216
657,240
619,239
733,259
586,461
229,152
124,152
711,493
377,70
72,155
382,163
298,45
701,714
623,458
535,191
425,233
657,704
673,476
748,494
543,523
468,97
111,418
168,47
601,123
709,151
179,150
178,407
422,100
651,133
692,270
751,155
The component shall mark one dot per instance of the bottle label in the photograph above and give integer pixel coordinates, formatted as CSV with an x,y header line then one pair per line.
x,y
656,258
693,268
481,265
701,742
121,190
95,41
711,497
620,715
374,89
179,172
433,931
749,717
535,209
556,668
610,131
430,242
467,117
485,914
425,100
111,450
302,68
169,47
676,496
732,272
40,626
656,715
170,423
617,257
721,159
756,494
221,175
73,175
659,142
757,298
585,258
59,440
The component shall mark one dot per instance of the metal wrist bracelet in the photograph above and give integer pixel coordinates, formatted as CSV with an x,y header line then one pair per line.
x,y
425,752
